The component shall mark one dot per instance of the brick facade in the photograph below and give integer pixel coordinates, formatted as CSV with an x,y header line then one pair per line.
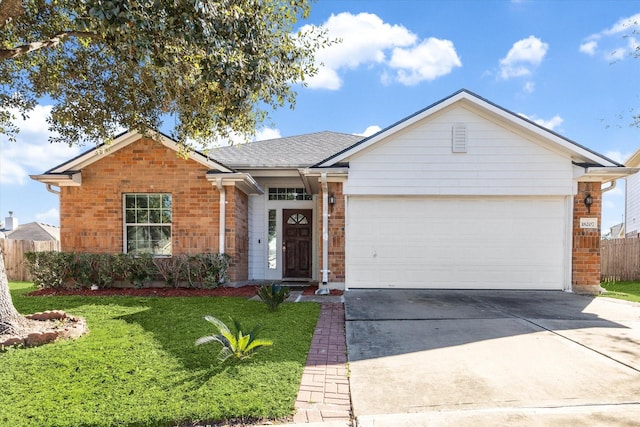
x,y
585,257
91,215
336,234
237,233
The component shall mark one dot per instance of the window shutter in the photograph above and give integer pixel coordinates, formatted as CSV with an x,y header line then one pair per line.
x,y
459,138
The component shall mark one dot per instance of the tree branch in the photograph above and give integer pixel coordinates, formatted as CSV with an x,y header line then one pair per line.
x,y
10,9
52,42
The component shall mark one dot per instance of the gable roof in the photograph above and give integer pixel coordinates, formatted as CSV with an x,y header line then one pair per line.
x,y
34,231
288,152
125,139
634,159
580,155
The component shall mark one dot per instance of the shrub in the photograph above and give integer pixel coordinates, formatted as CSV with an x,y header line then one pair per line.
x,y
208,270
58,269
135,269
49,269
234,343
273,295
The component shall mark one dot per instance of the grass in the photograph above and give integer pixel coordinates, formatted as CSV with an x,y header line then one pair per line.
x,y
139,366
629,291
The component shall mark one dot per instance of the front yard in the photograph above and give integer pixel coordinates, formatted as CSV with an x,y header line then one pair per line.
x,y
139,365
629,291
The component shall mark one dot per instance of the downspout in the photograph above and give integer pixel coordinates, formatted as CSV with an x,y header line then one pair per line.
x,y
223,214
325,230
610,187
51,190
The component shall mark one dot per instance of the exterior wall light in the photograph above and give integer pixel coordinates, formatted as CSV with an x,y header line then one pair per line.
x,y
588,201
332,200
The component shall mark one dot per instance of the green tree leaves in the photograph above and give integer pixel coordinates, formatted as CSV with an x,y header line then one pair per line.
x,y
213,67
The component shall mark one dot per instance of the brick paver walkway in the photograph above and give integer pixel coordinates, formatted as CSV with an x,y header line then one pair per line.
x,y
324,390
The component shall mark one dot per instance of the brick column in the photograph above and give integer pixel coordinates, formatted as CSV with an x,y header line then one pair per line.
x,y
336,234
237,233
585,259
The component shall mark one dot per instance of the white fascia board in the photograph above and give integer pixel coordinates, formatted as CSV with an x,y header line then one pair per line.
x,y
97,153
604,174
244,181
126,139
60,180
571,147
398,126
271,173
634,159
339,171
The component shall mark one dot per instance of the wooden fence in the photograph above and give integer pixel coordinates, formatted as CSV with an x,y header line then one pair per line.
x,y
13,254
620,260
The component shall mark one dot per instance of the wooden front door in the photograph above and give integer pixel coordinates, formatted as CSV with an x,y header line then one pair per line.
x,y
296,244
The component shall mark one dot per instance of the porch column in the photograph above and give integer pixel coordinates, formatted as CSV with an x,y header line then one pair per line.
x,y
585,259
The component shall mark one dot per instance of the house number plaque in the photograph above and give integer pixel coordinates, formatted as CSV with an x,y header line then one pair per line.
x,y
588,222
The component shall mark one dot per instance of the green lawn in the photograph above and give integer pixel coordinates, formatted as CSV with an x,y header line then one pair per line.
x,y
629,291
139,366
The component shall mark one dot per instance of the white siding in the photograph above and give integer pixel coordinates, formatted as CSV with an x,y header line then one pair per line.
x,y
632,216
419,161
457,242
257,236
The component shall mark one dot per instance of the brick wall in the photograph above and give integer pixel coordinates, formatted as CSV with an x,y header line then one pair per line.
x,y
585,275
336,234
237,233
91,216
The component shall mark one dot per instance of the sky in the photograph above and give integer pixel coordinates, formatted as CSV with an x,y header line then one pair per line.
x,y
567,65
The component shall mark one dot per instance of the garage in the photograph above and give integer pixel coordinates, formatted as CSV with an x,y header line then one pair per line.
x,y
457,242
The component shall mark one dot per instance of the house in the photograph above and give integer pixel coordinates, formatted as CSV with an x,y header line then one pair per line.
x,y
35,231
632,199
615,232
424,203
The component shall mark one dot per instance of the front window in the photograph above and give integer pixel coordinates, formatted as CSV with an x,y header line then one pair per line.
x,y
148,224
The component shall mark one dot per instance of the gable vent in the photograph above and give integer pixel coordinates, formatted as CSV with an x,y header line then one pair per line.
x,y
459,138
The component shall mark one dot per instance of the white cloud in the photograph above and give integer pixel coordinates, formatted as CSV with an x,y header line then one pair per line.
x,y
31,153
523,56
267,133
623,25
589,47
617,156
52,215
609,43
550,124
429,60
365,40
370,130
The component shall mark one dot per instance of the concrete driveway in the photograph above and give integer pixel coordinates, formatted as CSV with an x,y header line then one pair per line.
x,y
475,358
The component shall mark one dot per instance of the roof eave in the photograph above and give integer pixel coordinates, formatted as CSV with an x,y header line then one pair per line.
x,y
576,150
607,174
243,181
67,179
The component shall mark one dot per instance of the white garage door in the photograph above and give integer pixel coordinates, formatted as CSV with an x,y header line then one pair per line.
x,y
456,243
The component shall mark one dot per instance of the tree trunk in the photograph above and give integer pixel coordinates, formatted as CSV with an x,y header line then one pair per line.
x,y
11,322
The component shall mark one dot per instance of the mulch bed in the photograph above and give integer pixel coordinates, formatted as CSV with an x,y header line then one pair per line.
x,y
242,291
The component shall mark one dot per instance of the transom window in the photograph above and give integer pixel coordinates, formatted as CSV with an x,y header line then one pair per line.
x,y
148,223
289,194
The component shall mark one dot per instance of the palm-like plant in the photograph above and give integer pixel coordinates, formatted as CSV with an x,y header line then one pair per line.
x,y
273,295
234,343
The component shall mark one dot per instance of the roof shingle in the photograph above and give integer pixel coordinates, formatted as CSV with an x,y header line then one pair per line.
x,y
293,151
